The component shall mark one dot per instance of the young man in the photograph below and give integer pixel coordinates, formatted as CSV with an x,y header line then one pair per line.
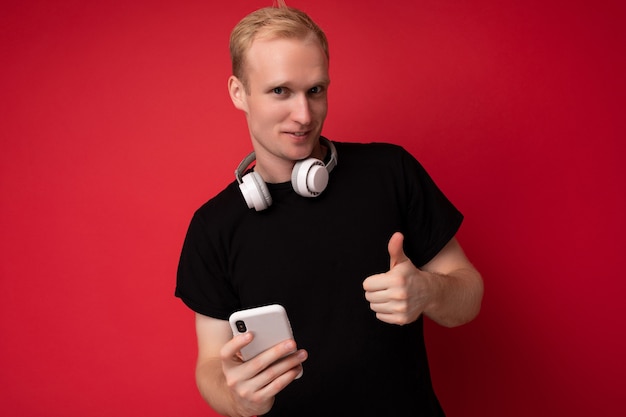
x,y
354,240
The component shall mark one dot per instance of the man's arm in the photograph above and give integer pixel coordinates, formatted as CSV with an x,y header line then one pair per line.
x,y
212,334
448,289
457,287
232,387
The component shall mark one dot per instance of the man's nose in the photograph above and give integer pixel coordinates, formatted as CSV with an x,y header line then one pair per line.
x,y
301,111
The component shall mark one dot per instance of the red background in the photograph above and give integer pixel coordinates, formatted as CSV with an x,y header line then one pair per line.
x,y
116,125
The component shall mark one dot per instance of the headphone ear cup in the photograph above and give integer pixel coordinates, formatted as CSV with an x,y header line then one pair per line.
x,y
255,192
309,177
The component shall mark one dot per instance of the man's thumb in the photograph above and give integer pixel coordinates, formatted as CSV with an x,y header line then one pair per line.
x,y
396,250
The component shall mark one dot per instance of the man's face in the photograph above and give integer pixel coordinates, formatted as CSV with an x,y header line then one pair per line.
x,y
286,97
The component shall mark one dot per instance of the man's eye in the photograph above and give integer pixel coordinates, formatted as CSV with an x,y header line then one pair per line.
x,y
316,90
278,90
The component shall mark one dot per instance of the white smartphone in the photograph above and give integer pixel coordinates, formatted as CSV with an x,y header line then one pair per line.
x,y
269,324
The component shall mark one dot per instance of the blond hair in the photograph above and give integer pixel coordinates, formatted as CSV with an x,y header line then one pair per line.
x,y
278,21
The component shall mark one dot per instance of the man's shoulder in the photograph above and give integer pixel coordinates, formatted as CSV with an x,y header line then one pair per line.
x,y
370,152
378,146
368,148
224,204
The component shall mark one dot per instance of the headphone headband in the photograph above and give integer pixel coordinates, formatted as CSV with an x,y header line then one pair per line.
x,y
251,157
243,165
309,178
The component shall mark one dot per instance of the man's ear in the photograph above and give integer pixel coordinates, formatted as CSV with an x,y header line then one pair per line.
x,y
237,93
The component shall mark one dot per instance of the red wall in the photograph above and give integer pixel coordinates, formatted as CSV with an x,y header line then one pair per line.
x,y
116,125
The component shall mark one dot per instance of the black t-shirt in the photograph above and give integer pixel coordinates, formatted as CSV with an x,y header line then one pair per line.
x,y
311,255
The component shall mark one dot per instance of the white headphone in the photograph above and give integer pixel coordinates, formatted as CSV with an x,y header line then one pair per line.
x,y
309,178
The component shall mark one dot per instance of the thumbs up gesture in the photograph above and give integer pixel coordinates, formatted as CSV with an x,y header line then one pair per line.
x,y
400,295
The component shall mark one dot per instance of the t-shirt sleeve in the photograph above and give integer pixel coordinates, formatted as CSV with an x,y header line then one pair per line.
x,y
201,281
432,220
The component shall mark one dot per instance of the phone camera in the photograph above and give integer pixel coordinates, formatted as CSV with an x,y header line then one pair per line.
x,y
241,326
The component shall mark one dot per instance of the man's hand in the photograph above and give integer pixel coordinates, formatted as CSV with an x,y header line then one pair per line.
x,y
254,384
236,388
400,295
